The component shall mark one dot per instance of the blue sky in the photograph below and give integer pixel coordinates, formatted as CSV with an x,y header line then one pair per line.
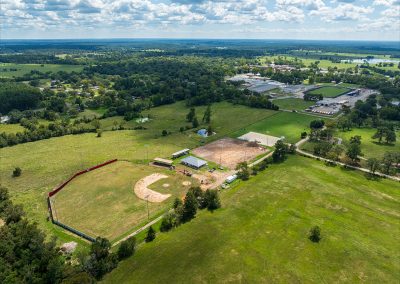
x,y
263,19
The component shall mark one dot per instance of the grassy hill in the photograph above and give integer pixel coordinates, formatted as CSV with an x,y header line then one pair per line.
x,y
260,234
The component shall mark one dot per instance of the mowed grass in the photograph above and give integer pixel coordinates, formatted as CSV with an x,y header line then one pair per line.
x,y
293,104
260,235
288,124
370,147
103,203
329,91
22,69
47,163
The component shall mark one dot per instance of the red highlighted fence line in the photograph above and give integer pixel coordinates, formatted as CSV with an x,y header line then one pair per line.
x,y
61,186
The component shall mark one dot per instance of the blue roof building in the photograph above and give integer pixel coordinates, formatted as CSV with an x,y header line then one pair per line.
x,y
193,162
202,132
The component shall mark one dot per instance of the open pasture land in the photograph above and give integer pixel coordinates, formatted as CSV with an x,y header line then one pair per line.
x,y
329,91
370,147
10,70
103,202
293,104
229,152
260,235
288,124
49,162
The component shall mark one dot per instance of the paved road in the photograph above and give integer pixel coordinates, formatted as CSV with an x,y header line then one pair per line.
x,y
298,150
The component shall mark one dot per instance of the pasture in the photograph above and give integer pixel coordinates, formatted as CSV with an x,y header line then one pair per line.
x,y
103,202
329,91
288,124
10,70
11,128
261,232
293,104
370,147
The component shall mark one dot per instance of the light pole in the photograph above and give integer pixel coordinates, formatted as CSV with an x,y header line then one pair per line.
x,y
148,212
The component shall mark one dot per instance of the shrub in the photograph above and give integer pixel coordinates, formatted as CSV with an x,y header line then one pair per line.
x,y
151,235
17,172
315,234
127,248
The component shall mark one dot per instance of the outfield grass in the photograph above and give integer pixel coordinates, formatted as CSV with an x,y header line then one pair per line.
x,y
288,124
260,234
370,147
329,91
293,104
47,163
23,69
108,206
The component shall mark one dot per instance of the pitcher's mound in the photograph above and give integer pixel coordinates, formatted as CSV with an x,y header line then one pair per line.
x,y
165,185
186,183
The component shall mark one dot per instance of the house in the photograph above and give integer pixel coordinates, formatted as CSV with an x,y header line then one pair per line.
x,y
4,119
193,162
180,153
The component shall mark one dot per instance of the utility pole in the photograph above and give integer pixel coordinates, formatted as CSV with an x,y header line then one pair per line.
x,y
148,212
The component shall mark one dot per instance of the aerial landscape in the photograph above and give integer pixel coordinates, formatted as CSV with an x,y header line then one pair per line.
x,y
200,141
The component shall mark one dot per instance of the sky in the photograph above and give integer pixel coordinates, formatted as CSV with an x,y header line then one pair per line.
x,y
377,20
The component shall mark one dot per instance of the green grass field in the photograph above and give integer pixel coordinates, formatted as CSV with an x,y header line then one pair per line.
x,y
108,206
370,147
329,91
288,124
293,104
22,69
11,128
260,234
47,163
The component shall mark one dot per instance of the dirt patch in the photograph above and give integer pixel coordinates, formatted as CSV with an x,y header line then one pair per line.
x,y
229,152
186,183
143,192
263,139
212,180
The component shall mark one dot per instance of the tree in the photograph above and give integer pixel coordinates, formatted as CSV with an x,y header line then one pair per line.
x,y
151,235
127,248
353,151
168,222
390,136
212,200
243,172
387,161
191,115
17,172
189,209
380,133
315,234
177,203
373,164
195,122
207,115
100,260
303,135
209,130
317,124
164,133
280,152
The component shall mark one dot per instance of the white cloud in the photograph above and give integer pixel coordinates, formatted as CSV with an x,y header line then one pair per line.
x,y
342,12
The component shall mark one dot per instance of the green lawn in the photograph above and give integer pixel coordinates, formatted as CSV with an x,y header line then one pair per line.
x,y
260,234
329,91
108,206
369,147
47,163
22,69
288,124
293,104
